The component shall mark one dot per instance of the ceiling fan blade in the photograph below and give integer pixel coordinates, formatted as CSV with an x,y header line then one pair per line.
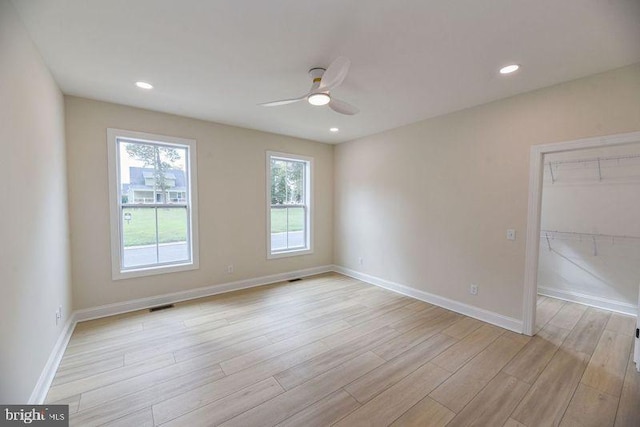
x,y
335,74
283,101
343,107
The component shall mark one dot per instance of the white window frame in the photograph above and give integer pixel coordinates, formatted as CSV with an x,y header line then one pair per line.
x,y
117,270
308,249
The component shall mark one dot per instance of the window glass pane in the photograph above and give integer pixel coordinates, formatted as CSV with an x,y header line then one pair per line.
x,y
287,182
151,173
278,229
278,182
139,237
295,231
172,234
295,182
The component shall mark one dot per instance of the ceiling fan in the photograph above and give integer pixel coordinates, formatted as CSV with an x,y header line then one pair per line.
x,y
324,80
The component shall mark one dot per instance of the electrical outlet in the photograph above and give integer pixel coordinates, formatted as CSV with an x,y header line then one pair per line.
x,y
58,314
360,260
473,290
230,269
511,234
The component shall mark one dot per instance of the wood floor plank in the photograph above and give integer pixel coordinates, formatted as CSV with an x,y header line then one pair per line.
x,y
72,401
312,320
463,327
606,370
209,392
629,407
584,337
547,308
258,355
621,324
302,372
142,381
554,334
104,379
108,332
419,305
134,402
291,402
68,373
493,405
420,318
536,354
324,412
142,418
398,399
568,316
513,423
459,354
393,371
590,408
547,399
426,413
159,340
462,386
415,336
228,407
237,332
383,316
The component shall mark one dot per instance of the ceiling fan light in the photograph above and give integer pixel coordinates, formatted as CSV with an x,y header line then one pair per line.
x,y
144,85
319,99
509,69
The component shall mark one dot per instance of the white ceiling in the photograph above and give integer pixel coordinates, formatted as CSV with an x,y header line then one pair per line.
x,y
411,59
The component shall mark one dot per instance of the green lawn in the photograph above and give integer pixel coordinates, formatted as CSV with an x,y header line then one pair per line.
x,y
172,224
141,229
279,219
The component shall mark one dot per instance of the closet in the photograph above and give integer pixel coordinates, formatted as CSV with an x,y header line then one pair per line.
x,y
590,227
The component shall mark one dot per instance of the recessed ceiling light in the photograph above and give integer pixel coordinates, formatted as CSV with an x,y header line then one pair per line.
x,y
509,69
319,99
334,129
144,85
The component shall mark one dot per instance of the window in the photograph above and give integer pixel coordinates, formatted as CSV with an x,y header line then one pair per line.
x,y
153,209
288,205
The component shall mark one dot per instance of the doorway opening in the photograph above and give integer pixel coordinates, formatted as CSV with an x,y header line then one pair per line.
x,y
559,238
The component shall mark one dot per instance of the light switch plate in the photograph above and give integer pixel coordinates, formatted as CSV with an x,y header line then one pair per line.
x,y
511,234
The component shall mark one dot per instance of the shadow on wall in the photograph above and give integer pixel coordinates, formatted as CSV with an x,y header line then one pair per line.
x,y
610,270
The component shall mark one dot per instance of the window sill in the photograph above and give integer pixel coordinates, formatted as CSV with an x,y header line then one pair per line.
x,y
152,271
290,253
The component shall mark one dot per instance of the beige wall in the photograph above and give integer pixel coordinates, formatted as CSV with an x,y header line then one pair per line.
x,y
427,205
34,254
231,197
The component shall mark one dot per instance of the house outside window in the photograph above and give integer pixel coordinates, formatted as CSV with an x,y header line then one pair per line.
x,y
289,205
153,204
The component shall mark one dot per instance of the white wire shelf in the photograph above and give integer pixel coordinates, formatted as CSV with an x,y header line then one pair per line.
x,y
597,163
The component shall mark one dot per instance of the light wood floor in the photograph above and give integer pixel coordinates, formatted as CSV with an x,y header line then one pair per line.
x,y
330,350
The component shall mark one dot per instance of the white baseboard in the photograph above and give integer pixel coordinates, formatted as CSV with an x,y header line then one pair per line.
x,y
468,310
592,301
46,376
143,303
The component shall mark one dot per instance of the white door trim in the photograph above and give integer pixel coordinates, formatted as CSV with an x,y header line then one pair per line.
x,y
536,163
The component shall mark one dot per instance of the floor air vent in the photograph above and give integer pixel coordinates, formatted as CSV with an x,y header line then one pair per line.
x,y
294,280
160,307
